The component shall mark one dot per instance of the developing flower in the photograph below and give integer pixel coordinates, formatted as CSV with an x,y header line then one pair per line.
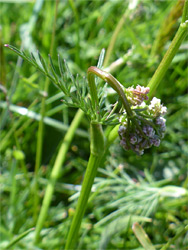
x,y
147,127
156,108
138,95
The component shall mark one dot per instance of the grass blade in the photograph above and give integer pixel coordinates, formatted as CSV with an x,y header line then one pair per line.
x,y
142,237
18,238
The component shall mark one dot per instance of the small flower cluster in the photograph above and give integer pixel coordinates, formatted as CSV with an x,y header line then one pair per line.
x,y
146,128
137,96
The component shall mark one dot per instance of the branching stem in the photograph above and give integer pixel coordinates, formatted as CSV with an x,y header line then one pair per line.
x,y
112,81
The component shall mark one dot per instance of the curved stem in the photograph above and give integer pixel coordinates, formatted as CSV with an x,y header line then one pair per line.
x,y
112,81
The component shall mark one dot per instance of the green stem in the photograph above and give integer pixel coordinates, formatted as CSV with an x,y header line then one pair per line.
x,y
13,192
56,168
77,19
165,63
55,172
132,34
185,12
18,238
22,162
110,139
112,81
82,202
40,131
116,32
171,241
114,38
97,147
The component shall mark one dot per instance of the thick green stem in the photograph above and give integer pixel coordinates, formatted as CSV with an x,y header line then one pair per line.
x,y
82,201
55,172
97,148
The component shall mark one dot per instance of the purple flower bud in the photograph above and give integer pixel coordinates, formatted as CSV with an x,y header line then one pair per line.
x,y
124,144
148,130
156,142
133,139
160,121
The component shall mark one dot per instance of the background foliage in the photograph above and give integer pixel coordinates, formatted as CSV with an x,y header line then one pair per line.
x,y
152,187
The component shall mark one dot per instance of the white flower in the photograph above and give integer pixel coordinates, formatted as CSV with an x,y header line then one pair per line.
x,y
154,102
163,110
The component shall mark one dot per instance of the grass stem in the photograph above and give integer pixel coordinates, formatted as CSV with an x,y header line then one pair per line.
x,y
167,59
61,156
40,131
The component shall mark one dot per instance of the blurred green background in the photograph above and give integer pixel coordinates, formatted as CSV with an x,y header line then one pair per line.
x,y
128,184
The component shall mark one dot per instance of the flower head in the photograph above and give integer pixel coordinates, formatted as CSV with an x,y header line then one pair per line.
x,y
147,127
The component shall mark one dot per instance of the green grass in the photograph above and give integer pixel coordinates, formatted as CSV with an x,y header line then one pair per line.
x,y
151,189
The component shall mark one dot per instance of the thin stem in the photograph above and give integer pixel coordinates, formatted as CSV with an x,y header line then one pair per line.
x,y
110,139
40,131
77,19
165,63
13,187
185,12
18,238
131,8
167,27
171,241
119,62
22,162
55,172
114,38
